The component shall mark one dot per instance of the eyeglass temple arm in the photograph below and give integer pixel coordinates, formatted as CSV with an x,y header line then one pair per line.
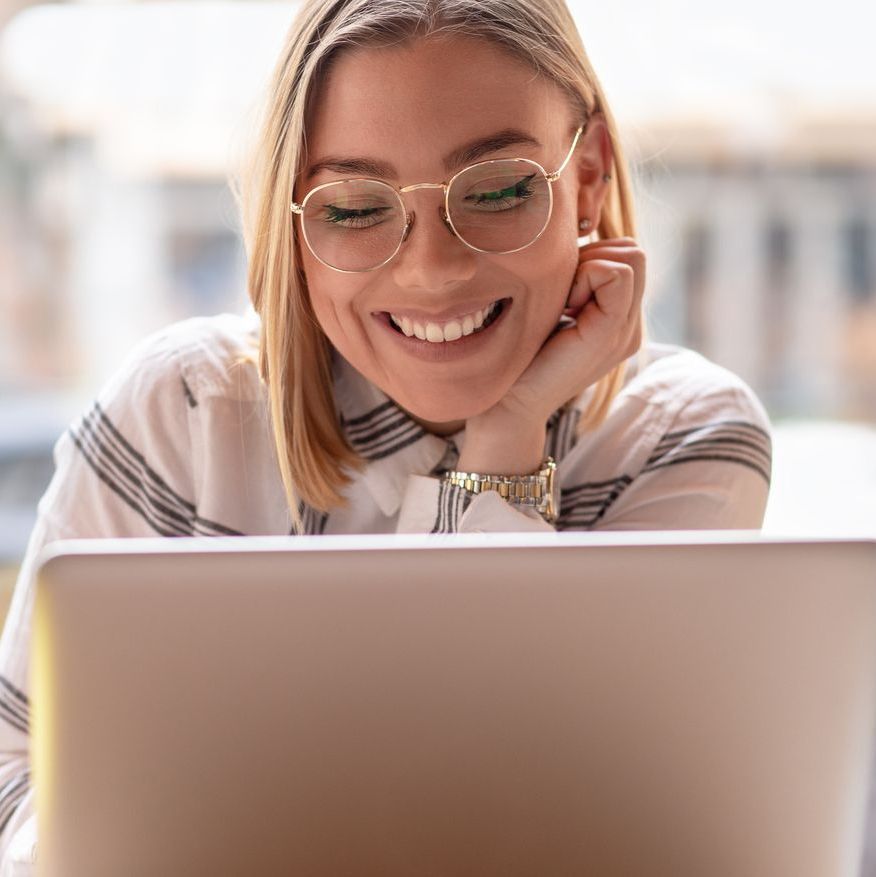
x,y
556,174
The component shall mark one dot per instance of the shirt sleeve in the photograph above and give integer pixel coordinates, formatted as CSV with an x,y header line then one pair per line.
x,y
710,470
121,470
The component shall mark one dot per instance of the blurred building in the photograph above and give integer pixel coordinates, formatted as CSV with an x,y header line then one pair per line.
x,y
115,213
764,255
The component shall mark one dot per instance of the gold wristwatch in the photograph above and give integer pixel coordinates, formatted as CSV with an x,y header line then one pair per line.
x,y
538,490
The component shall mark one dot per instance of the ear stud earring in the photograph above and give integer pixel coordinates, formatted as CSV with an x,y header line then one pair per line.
x,y
606,178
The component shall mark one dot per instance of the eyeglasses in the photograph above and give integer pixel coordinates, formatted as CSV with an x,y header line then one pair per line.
x,y
496,206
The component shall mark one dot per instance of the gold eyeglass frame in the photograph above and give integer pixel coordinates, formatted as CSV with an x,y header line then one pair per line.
x,y
409,217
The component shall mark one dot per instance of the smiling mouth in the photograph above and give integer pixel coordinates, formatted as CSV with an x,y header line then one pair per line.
x,y
435,333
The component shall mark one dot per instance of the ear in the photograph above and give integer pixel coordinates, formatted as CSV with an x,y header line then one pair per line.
x,y
593,160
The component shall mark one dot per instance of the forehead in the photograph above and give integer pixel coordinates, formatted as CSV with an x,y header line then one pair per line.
x,y
415,102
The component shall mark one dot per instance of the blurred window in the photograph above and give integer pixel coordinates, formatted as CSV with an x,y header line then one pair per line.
x,y
858,249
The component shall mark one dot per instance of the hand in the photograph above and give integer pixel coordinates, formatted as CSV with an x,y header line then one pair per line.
x,y
605,302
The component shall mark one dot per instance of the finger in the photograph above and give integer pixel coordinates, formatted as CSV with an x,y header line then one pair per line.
x,y
626,239
609,242
609,284
607,335
635,258
593,274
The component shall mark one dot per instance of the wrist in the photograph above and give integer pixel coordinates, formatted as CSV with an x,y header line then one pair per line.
x,y
516,450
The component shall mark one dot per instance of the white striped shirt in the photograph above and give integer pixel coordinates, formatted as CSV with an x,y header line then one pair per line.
x,y
177,443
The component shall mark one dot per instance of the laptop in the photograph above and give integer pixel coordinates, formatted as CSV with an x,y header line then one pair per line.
x,y
661,703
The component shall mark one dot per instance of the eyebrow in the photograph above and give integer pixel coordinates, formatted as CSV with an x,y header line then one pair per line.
x,y
466,154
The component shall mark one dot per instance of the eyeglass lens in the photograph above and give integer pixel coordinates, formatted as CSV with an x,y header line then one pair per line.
x,y
497,207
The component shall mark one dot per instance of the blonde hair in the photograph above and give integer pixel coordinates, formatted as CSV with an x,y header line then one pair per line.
x,y
294,356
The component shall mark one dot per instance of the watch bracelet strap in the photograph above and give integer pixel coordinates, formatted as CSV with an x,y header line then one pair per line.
x,y
529,490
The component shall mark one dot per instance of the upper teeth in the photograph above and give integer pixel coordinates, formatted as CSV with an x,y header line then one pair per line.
x,y
450,331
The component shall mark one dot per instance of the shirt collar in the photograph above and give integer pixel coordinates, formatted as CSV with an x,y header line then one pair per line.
x,y
392,443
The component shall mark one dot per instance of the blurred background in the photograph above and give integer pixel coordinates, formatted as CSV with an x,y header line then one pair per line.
x,y
751,128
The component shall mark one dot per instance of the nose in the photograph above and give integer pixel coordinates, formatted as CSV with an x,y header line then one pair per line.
x,y
432,257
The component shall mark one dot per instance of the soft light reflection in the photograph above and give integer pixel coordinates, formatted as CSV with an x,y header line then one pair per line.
x,y
42,698
177,103
161,86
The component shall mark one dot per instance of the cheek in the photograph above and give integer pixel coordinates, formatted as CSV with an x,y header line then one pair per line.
x,y
547,269
325,287
324,310
324,296
333,299
565,233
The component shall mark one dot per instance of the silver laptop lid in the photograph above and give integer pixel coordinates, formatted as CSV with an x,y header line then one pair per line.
x,y
496,704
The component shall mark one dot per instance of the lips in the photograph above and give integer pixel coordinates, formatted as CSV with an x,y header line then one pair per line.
x,y
445,350
450,326
441,317
452,330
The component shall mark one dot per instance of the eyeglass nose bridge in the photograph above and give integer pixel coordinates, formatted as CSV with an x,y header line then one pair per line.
x,y
410,217
414,186
409,224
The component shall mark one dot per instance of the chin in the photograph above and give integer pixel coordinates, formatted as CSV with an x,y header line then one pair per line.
x,y
449,411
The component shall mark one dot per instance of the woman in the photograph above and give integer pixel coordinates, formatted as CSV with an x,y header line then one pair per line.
x,y
423,306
